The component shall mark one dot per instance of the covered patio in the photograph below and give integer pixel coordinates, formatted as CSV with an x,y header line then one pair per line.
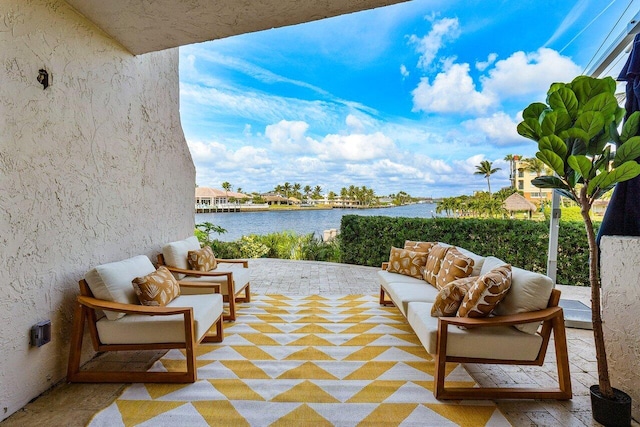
x,y
75,404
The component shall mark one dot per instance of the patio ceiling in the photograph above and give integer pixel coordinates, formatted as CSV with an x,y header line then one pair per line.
x,y
151,25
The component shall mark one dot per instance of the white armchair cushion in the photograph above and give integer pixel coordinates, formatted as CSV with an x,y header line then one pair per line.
x,y
112,281
175,253
144,329
529,292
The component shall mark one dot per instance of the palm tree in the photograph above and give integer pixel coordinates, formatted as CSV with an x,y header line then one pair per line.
x,y
317,192
534,164
307,191
486,168
296,190
227,187
287,189
512,159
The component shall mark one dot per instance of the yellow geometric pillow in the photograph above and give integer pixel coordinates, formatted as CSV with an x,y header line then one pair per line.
x,y
202,259
450,297
407,262
418,246
156,289
434,261
454,266
486,292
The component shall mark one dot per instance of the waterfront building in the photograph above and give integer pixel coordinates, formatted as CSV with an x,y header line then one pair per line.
x,y
529,191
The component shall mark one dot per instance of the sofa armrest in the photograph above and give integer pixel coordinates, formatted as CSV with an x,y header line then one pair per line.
x,y
385,265
244,262
98,304
199,273
196,285
510,320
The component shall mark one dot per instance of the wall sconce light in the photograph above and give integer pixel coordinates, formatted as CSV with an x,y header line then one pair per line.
x,y
43,78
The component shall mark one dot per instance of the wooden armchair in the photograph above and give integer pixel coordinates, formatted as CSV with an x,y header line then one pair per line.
x,y
120,326
553,321
233,275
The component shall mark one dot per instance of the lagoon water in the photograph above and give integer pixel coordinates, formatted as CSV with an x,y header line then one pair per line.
x,y
239,224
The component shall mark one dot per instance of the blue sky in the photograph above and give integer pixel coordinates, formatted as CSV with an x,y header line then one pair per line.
x,y
408,97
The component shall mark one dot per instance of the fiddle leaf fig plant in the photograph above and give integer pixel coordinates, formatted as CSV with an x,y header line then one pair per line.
x,y
576,130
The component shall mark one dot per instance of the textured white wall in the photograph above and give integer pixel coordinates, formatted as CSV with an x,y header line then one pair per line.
x,y
93,169
620,275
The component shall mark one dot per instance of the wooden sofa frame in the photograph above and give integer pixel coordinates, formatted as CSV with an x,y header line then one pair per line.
x,y
217,273
552,319
86,308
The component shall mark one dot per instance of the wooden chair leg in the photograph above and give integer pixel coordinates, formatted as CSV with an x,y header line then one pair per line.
x,y
562,357
247,293
75,350
384,301
219,336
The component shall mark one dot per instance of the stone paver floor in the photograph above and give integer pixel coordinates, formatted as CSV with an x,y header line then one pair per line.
x,y
75,404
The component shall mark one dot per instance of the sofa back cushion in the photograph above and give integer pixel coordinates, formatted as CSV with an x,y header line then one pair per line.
x,y
529,292
112,281
157,288
407,262
434,262
454,266
175,253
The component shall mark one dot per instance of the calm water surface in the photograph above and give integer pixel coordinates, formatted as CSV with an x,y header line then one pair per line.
x,y
239,224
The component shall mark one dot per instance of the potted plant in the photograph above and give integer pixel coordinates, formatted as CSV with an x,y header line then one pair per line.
x,y
575,131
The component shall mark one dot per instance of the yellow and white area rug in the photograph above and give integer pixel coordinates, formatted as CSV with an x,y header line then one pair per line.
x,y
304,360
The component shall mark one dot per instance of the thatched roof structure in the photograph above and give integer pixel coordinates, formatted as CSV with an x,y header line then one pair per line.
x,y
517,203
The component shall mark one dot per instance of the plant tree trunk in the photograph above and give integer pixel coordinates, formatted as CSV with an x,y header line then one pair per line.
x,y
596,317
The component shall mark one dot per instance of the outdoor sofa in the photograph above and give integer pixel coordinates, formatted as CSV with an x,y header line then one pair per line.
x,y
427,282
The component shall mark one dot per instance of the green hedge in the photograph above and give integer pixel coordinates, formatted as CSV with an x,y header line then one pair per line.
x,y
366,240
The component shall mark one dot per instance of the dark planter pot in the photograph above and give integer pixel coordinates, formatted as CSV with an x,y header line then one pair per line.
x,y
614,412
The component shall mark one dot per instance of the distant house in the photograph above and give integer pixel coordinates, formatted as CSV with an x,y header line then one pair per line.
x,y
275,199
206,196
529,191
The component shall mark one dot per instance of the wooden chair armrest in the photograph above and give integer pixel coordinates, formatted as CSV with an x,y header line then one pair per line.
x,y
509,320
98,304
244,262
199,273
385,265
215,286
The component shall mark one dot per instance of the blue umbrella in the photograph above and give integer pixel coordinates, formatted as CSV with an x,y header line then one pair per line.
x,y
622,217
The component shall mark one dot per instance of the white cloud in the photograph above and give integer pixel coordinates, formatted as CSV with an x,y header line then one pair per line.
x,y
287,136
354,124
403,71
483,65
428,46
499,127
452,91
569,20
529,73
355,147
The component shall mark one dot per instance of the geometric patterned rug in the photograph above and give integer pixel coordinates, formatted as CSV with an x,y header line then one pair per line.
x,y
304,360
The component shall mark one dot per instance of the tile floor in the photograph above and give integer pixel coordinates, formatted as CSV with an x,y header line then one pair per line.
x,y
74,404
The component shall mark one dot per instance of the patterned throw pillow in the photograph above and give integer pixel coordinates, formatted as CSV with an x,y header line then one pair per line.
x,y
434,261
407,262
156,289
202,259
418,246
486,293
450,297
454,266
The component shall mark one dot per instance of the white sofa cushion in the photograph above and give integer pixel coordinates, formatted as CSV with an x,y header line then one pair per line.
x,y
241,278
385,276
112,281
529,292
175,253
402,293
499,342
143,329
478,261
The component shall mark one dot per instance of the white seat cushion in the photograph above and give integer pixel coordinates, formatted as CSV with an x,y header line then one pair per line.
x,y
175,253
402,293
529,292
499,342
241,277
386,277
143,329
112,281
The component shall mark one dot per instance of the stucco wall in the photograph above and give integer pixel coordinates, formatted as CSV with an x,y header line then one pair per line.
x,y
93,169
620,274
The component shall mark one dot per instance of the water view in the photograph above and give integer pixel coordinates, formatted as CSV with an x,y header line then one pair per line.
x,y
238,224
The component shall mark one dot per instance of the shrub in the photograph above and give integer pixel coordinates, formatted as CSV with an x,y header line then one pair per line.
x,y
367,241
